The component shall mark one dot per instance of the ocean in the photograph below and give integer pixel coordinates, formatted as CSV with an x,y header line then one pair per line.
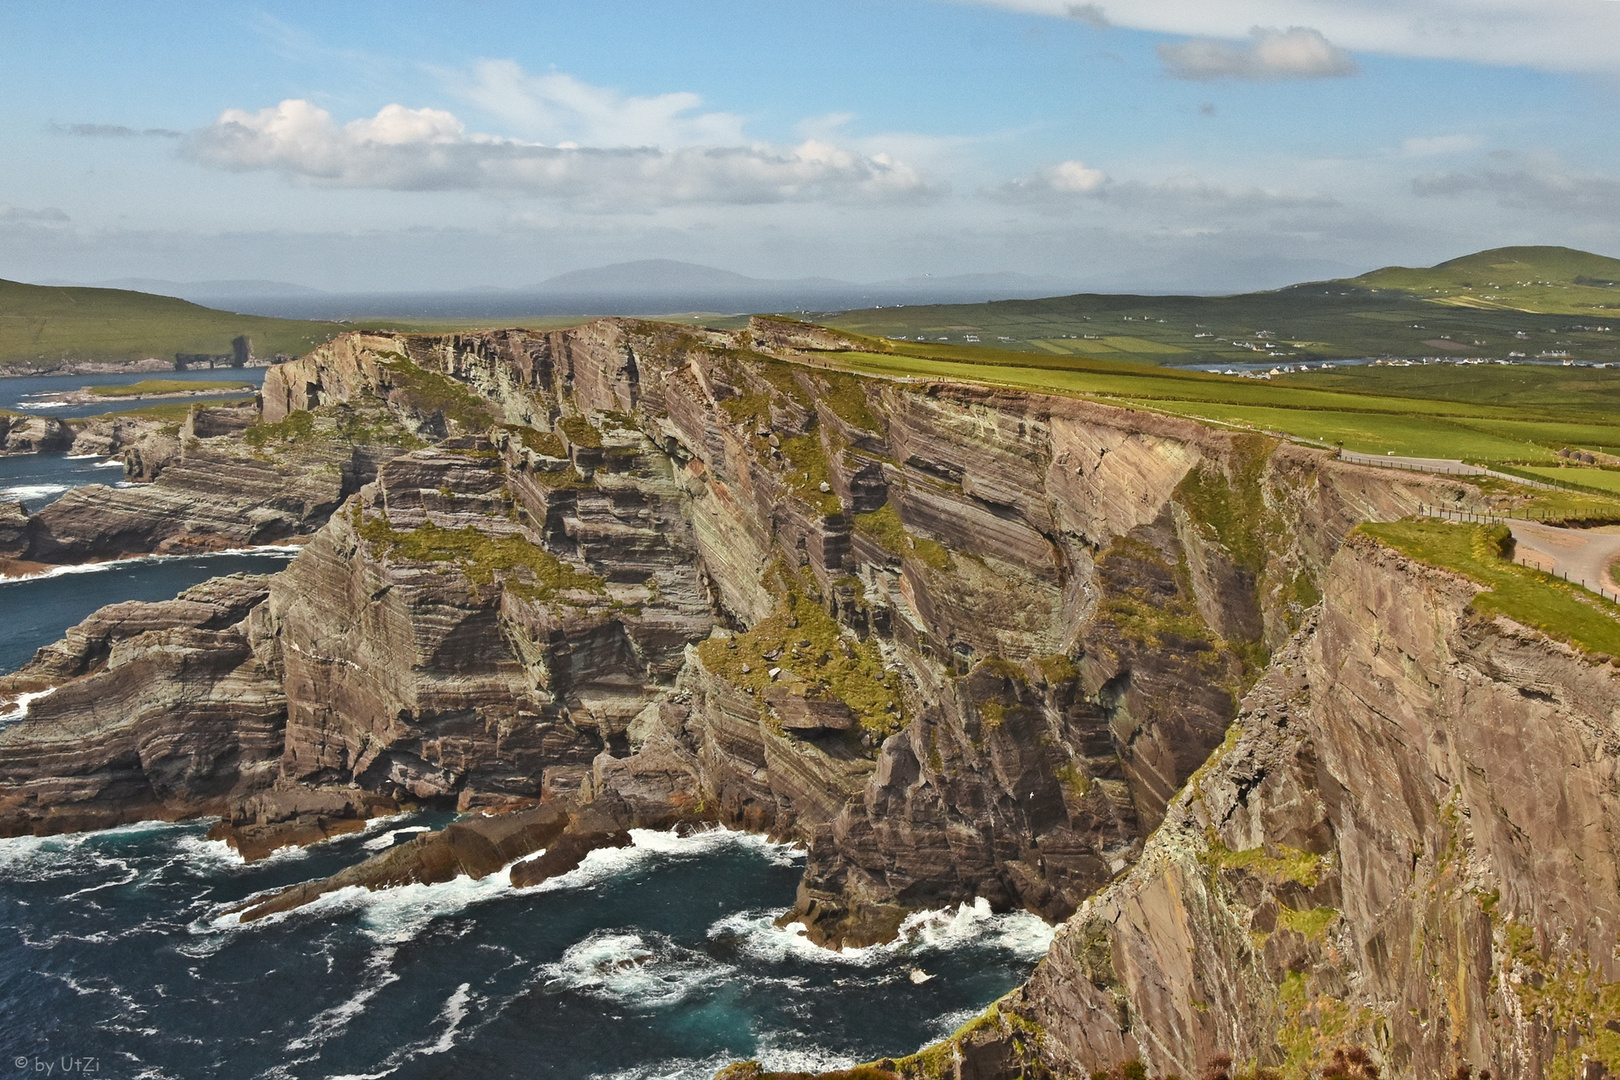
x,y
117,957
22,394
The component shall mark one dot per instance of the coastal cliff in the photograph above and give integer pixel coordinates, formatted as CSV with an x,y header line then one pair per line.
x,y
960,642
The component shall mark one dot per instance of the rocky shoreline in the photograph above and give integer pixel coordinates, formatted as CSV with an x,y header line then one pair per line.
x,y
959,642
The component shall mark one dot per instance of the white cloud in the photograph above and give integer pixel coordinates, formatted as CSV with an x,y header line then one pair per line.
x,y
1091,14
114,131
1536,182
406,149
1439,145
1296,53
1554,35
1067,178
1182,197
558,108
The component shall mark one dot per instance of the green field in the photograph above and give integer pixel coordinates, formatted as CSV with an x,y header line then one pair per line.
x,y
1489,413
168,386
1452,310
1592,479
41,325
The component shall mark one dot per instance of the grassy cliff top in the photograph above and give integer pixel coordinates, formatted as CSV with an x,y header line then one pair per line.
x,y
45,324
1530,597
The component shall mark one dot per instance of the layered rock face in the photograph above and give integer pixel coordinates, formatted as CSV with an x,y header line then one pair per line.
x,y
961,642
212,490
973,640
1406,844
143,711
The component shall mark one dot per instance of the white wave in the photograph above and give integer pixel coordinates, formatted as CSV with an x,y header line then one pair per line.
x,y
648,846
113,564
453,1013
387,839
944,1027
20,703
774,1058
801,1059
389,916
39,858
202,853
1018,932
24,492
110,463
642,971
673,1068
379,973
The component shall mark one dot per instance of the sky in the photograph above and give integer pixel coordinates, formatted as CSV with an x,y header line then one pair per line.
x,y
1151,145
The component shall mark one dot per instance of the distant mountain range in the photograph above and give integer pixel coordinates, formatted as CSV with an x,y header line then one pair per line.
x,y
645,287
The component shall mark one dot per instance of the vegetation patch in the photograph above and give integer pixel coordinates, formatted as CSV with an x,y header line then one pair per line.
x,y
808,648
1146,615
1557,608
169,386
808,471
1568,996
522,568
1057,669
295,427
41,324
1512,499
580,432
846,397
544,443
429,392
884,526
1234,512
1598,481
357,427
1290,864
1311,922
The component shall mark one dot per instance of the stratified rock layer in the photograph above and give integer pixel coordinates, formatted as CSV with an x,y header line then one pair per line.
x,y
959,641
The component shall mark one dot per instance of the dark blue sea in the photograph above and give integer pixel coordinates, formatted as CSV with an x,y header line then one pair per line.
x,y
23,394
658,960
37,480
34,611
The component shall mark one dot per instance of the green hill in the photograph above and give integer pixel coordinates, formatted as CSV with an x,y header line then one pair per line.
x,y
1500,304
41,324
1548,280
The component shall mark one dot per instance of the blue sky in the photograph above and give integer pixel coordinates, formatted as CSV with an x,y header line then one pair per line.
x,y
1156,145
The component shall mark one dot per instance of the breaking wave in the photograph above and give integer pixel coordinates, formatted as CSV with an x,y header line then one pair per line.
x,y
113,564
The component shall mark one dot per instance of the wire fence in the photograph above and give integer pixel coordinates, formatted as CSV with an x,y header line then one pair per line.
x,y
1604,589
1557,519
1439,468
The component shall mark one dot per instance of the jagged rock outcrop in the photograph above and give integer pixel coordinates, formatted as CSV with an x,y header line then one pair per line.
x,y
152,711
213,486
1406,845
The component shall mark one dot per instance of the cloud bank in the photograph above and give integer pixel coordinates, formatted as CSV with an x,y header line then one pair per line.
x,y
1296,53
405,149
1552,35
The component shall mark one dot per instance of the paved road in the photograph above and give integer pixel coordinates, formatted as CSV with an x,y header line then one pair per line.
x,y
1585,555
1448,466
